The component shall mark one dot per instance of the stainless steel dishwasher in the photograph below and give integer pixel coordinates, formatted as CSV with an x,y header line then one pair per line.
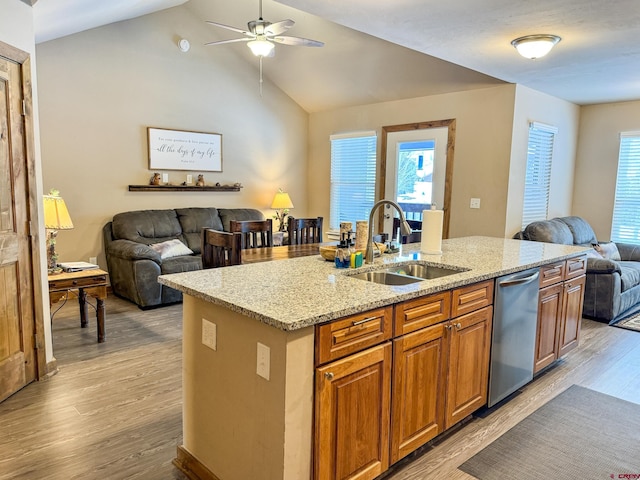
x,y
514,333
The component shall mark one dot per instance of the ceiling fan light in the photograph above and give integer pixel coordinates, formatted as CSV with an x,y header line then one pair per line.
x,y
535,46
260,47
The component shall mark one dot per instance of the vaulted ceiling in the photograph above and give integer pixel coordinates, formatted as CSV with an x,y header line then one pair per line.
x,y
376,50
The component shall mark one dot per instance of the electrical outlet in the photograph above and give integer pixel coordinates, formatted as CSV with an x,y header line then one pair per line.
x,y
189,179
475,203
209,334
93,260
165,178
264,361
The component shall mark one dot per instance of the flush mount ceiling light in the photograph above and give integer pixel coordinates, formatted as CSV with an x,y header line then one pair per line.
x,y
535,46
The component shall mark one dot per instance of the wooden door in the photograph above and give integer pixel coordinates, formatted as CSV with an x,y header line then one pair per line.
x,y
418,398
352,416
549,318
17,349
470,344
571,314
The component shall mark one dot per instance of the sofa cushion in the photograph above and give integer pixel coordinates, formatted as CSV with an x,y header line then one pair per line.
x,y
181,264
171,248
582,232
629,275
146,226
193,220
550,231
608,250
239,215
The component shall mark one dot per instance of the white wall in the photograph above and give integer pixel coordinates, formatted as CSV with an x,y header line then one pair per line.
x,y
534,106
597,161
482,150
16,29
100,90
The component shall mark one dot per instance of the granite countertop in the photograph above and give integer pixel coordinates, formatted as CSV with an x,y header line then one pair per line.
x,y
300,292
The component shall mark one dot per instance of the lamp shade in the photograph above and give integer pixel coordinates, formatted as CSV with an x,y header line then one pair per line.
x,y
56,215
535,46
281,200
261,47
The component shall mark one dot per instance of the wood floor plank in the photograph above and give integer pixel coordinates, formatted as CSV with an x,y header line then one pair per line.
x,y
114,410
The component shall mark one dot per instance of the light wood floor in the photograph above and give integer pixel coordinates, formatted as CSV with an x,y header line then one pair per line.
x,y
114,409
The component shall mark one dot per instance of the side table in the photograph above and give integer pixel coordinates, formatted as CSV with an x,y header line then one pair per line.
x,y
86,282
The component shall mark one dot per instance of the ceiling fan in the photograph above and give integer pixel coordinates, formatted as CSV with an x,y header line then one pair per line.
x,y
262,36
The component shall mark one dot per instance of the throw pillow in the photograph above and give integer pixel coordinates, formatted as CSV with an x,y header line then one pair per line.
x,y
608,250
171,248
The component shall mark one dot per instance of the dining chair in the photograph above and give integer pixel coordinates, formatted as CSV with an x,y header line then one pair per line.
x,y
305,230
416,234
220,249
255,234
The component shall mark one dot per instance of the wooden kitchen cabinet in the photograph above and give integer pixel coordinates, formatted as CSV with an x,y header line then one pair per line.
x,y
559,310
419,386
352,409
440,372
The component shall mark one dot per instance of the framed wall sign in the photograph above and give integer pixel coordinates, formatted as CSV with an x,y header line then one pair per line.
x,y
182,150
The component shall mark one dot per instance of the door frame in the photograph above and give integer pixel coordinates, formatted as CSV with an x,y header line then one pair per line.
x,y
448,179
23,58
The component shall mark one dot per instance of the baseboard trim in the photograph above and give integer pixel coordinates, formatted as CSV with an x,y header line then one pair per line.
x,y
191,467
51,370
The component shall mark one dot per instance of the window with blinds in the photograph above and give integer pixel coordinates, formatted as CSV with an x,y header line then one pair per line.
x,y
538,174
625,226
353,177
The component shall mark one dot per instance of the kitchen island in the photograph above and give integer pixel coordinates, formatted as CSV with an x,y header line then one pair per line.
x,y
249,346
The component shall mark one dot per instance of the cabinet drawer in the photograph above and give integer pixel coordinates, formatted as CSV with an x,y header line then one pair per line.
x,y
422,312
351,334
467,299
552,273
575,267
77,282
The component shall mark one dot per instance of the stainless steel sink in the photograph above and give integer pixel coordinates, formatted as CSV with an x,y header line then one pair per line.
x,y
386,278
406,274
425,272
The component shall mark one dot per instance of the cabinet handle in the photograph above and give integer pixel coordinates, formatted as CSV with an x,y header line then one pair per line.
x,y
448,326
458,326
328,376
360,322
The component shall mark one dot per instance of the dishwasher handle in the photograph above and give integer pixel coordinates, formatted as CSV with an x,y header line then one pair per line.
x,y
519,281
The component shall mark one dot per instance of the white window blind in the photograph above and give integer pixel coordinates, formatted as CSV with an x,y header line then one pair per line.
x,y
538,174
353,177
626,209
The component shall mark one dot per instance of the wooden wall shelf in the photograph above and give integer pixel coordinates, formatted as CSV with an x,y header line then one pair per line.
x,y
184,188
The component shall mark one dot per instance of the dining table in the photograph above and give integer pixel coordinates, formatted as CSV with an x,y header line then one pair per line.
x,y
266,254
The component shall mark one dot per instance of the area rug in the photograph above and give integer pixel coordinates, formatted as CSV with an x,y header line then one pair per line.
x,y
632,323
580,434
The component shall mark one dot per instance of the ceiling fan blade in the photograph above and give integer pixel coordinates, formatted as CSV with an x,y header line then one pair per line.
x,y
233,29
296,41
230,41
279,27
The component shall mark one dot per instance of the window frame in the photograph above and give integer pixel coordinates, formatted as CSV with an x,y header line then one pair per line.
x,y
626,201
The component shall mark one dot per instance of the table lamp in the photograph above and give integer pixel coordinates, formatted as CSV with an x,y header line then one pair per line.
x,y
281,203
56,217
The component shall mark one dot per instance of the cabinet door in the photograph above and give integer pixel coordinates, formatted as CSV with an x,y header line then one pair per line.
x,y
418,402
571,315
352,416
470,343
549,318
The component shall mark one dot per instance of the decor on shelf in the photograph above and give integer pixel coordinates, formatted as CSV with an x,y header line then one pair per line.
x,y
200,181
56,217
156,179
535,46
281,203
235,187
183,150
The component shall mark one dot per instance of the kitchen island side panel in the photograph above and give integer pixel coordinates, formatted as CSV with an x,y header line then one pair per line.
x,y
236,423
